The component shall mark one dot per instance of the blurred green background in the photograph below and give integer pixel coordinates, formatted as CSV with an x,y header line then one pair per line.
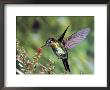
x,y
33,31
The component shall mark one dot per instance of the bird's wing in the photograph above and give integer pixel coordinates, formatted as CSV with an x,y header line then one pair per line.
x,y
76,38
62,36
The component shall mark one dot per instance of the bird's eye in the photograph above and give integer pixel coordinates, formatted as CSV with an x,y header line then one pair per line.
x,y
51,41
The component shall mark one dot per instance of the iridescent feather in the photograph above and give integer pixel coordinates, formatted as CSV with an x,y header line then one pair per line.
x,y
76,38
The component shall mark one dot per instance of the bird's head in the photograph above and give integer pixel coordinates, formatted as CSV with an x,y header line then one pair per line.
x,y
49,42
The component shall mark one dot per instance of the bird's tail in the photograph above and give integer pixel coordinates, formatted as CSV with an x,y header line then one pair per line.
x,y
66,65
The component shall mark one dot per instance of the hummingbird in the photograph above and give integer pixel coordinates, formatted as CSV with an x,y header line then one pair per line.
x,y
61,46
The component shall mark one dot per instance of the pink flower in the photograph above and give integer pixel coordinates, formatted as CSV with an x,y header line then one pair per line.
x,y
39,51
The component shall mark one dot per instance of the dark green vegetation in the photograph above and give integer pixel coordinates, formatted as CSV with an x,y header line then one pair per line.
x,y
33,31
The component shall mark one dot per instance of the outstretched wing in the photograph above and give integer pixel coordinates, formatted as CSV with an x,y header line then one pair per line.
x,y
62,36
76,38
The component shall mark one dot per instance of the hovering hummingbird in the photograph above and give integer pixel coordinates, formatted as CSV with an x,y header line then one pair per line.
x,y
61,46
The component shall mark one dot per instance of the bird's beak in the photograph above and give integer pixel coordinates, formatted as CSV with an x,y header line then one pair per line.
x,y
43,46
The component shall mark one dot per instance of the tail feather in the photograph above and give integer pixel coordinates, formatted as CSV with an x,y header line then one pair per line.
x,y
66,65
